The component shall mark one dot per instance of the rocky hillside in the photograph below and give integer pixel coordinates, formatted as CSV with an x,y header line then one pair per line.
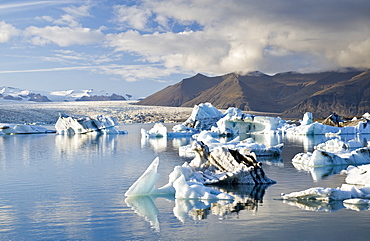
x,y
290,94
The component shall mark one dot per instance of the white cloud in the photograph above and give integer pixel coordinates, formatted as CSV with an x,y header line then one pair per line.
x,y
7,31
132,16
240,35
63,36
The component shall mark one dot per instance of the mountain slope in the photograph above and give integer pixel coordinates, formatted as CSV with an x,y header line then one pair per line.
x,y
346,98
182,92
290,93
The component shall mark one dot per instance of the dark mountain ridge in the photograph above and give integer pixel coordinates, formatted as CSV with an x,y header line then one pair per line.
x,y
291,94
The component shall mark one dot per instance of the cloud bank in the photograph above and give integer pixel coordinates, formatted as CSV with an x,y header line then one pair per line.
x,y
247,35
207,36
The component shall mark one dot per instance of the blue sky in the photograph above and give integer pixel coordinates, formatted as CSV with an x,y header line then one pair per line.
x,y
140,47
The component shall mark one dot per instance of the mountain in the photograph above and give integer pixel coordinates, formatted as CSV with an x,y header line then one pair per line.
x,y
16,94
346,98
291,94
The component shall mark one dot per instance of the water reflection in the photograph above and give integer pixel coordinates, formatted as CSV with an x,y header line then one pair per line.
x,y
144,206
315,205
90,142
319,173
7,217
247,197
157,144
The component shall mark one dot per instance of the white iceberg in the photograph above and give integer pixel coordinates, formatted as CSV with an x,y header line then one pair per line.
x,y
157,131
9,129
223,165
356,192
334,152
308,127
245,147
72,125
179,185
203,117
358,175
235,122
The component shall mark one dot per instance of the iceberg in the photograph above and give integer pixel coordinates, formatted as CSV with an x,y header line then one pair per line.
x,y
10,129
358,175
235,122
334,126
245,146
355,192
227,166
203,117
179,185
334,152
157,131
100,123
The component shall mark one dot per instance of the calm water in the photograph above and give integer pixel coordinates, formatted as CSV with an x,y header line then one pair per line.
x,y
72,188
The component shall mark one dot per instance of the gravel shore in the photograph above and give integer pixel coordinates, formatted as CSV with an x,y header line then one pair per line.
x,y
122,111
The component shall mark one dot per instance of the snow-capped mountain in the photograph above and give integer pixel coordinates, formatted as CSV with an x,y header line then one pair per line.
x,y
16,94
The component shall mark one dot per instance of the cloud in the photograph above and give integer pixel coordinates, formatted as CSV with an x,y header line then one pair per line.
x,y
131,16
247,35
129,73
7,31
63,36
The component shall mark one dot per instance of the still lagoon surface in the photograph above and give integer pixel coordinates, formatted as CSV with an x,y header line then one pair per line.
x,y
56,187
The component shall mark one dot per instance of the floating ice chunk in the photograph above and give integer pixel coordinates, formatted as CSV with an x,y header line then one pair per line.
x,y
203,117
158,131
181,130
193,190
223,165
340,153
343,128
178,185
307,119
23,129
72,125
337,145
358,175
319,193
146,183
245,147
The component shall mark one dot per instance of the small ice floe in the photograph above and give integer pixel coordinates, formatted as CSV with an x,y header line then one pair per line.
x,y
334,152
333,125
246,146
157,131
328,199
73,125
358,175
355,193
10,129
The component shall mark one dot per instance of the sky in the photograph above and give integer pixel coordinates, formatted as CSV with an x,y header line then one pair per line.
x,y
140,47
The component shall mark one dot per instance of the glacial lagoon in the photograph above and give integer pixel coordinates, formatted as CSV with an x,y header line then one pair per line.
x,y
58,187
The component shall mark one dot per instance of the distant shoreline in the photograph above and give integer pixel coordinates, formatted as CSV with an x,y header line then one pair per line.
x,y
122,111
